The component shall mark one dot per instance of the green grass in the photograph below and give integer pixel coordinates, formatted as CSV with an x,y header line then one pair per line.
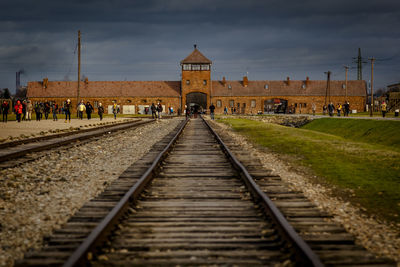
x,y
385,133
367,174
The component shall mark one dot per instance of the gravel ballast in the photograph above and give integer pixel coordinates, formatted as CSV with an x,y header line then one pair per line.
x,y
39,196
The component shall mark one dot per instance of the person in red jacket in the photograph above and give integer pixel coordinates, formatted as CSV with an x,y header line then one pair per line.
x,y
18,110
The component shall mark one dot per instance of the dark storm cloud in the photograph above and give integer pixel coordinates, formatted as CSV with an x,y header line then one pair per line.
x,y
145,40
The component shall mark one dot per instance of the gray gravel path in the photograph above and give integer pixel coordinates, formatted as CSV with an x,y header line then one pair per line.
x,y
39,196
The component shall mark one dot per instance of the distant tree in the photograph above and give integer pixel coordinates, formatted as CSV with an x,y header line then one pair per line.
x,y
6,93
21,92
380,92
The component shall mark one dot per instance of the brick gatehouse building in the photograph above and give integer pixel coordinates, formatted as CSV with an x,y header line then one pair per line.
x,y
196,89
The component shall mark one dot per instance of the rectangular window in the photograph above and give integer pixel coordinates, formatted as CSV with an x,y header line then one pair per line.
x,y
305,105
96,104
295,105
186,66
244,105
238,105
253,103
205,67
219,103
195,67
205,82
231,103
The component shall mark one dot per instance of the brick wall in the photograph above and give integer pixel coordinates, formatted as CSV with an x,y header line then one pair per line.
x,y
356,103
196,83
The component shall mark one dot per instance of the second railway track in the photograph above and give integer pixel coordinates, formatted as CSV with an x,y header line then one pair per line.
x,y
13,153
195,208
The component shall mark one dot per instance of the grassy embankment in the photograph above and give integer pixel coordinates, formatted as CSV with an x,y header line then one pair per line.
x,y
360,157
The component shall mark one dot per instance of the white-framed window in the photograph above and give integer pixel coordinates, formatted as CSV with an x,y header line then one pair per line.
x,y
253,103
219,103
186,67
205,67
195,67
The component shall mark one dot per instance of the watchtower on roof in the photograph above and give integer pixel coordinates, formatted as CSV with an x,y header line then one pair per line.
x,y
196,79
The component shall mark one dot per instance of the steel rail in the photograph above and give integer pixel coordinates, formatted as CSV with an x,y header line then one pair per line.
x,y
81,135
100,232
57,135
303,253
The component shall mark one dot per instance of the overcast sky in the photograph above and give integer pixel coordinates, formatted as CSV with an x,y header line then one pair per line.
x,y
146,39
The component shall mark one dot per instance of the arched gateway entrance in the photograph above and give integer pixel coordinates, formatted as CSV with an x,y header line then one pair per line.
x,y
196,101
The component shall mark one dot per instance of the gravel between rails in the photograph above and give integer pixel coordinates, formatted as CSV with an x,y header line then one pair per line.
x,y
376,236
39,196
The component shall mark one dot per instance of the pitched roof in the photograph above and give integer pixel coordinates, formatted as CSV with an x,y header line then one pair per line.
x,y
282,88
196,57
106,89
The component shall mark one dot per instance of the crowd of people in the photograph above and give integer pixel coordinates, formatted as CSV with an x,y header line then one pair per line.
x,y
330,109
24,109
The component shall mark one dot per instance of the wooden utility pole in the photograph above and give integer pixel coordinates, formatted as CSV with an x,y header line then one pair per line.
x,y
345,85
78,98
372,85
328,87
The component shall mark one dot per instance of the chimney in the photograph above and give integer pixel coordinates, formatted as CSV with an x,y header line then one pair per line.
x,y
17,80
288,81
45,83
307,80
86,80
223,81
245,81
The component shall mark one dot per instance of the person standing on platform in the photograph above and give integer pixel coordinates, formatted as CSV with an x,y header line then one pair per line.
x,y
54,109
46,109
23,110
4,109
153,111
159,110
29,108
67,110
383,109
331,109
100,111
115,110
212,109
89,110
187,111
18,110
338,109
81,109
38,112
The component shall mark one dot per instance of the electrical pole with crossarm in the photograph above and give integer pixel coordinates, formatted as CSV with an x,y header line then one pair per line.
x,y
372,85
79,68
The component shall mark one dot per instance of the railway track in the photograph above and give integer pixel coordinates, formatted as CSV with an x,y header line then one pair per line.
x,y
191,204
17,152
